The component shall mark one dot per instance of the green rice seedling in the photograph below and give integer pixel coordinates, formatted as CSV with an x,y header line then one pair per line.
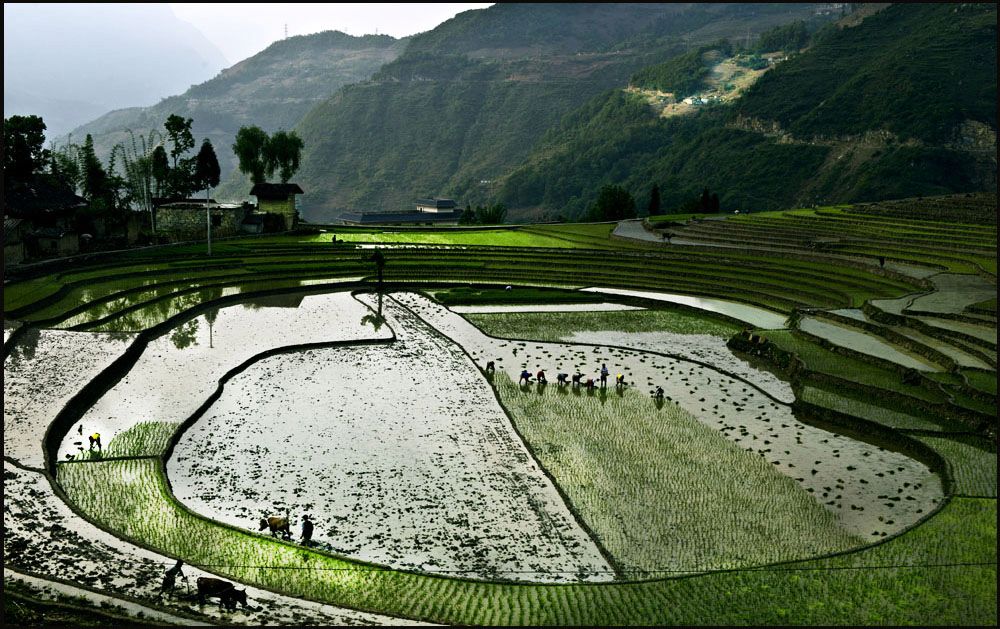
x,y
866,410
142,439
554,326
973,462
982,380
661,490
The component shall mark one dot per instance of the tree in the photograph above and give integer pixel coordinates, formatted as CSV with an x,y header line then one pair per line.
x,y
23,141
283,152
613,203
706,202
252,150
714,203
65,167
161,169
94,179
654,201
206,167
492,214
179,133
468,216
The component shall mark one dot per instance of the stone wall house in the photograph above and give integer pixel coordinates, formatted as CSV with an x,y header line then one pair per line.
x,y
278,198
53,242
186,220
13,241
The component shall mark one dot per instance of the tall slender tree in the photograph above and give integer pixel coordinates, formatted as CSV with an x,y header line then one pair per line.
x,y
179,133
94,179
206,167
160,169
654,201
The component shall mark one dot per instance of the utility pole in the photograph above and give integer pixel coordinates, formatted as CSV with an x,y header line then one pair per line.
x,y
208,219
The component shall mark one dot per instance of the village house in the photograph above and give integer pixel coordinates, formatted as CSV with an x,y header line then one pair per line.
x,y
430,211
43,216
278,198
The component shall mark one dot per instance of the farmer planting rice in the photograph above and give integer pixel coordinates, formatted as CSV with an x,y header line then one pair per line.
x,y
95,439
307,530
525,377
170,578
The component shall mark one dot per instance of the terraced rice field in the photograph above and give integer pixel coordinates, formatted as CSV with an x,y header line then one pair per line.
x,y
784,478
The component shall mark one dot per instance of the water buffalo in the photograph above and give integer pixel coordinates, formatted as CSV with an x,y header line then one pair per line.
x,y
276,524
226,591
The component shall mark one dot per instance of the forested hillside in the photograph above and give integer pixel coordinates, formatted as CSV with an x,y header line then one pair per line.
x,y
468,101
273,90
902,104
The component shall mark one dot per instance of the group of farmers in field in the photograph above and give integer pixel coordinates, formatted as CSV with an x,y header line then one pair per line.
x,y
577,379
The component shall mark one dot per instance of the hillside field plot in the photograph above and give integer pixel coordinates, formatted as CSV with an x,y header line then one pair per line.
x,y
400,453
865,343
675,332
873,492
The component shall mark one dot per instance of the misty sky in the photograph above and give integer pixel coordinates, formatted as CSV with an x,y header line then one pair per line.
x,y
73,62
242,30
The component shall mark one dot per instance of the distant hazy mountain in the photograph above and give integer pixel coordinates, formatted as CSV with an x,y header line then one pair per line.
x,y
272,89
71,62
467,101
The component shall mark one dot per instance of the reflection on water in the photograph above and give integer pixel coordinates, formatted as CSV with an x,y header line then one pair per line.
x,y
290,300
186,334
375,318
180,369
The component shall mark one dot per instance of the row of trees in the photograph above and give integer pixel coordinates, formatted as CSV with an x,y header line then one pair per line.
x,y
615,203
483,215
136,172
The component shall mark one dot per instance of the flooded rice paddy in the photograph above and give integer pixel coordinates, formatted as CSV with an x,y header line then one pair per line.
x,y
865,343
752,315
178,371
43,371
